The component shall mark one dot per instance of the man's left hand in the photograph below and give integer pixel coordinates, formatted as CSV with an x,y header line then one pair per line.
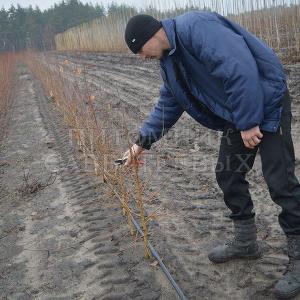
x,y
251,137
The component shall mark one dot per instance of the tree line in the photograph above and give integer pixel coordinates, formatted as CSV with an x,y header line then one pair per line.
x,y
30,28
22,28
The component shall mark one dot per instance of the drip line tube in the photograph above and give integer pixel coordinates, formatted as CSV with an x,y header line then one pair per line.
x,y
162,265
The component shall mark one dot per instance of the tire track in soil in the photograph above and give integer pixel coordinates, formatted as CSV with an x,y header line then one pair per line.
x,y
91,254
195,216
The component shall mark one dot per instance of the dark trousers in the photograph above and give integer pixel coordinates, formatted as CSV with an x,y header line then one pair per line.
x,y
278,165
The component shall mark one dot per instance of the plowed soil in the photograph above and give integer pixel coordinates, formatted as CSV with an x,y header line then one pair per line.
x,y
67,241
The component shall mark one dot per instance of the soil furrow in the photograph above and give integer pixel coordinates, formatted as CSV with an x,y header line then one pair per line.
x,y
56,249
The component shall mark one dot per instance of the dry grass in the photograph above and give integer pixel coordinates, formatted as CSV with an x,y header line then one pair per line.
x,y
7,66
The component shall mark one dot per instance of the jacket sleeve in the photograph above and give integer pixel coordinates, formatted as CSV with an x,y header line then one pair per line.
x,y
163,116
227,57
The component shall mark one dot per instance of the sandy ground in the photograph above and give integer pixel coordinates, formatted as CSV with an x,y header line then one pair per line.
x,y
63,242
195,217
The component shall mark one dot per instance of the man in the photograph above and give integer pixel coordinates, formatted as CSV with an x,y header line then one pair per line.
x,y
228,80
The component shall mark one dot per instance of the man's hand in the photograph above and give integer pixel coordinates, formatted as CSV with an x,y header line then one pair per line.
x,y
252,137
132,154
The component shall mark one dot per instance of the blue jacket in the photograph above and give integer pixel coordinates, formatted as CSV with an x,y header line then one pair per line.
x,y
225,67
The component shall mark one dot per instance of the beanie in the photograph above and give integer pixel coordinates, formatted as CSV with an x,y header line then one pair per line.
x,y
139,30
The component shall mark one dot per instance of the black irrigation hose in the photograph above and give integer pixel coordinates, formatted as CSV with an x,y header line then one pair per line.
x,y
162,265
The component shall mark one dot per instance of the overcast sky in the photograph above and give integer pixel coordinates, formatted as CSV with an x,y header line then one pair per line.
x,y
43,4
228,5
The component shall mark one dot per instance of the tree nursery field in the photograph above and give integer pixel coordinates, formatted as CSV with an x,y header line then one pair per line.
x,y
74,225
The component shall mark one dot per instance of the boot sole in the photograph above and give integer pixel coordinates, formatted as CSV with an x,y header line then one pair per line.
x,y
252,256
292,294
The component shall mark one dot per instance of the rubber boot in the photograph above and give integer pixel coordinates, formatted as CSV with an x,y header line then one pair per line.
x,y
289,285
243,245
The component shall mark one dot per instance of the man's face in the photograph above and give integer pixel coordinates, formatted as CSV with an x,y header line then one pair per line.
x,y
152,49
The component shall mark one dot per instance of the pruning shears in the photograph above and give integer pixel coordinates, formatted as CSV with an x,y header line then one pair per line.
x,y
120,161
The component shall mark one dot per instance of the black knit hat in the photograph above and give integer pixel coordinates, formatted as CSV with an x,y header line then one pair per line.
x,y
139,30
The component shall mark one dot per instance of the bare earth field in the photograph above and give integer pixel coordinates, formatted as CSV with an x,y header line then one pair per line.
x,y
70,241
